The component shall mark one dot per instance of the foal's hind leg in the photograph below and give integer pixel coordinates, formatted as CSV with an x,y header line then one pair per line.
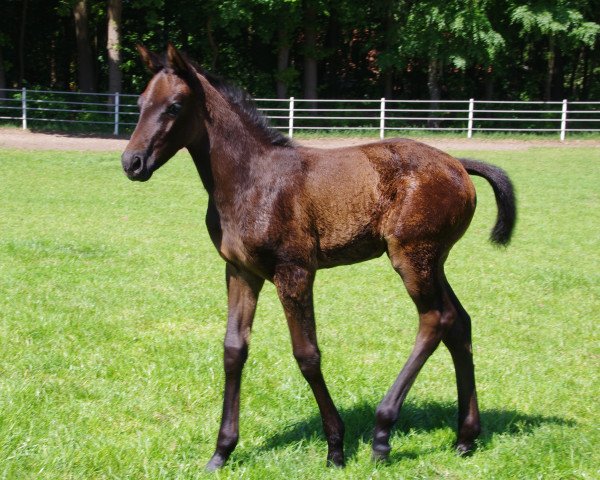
x,y
421,269
458,341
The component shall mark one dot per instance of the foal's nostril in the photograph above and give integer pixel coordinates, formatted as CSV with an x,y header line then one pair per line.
x,y
136,165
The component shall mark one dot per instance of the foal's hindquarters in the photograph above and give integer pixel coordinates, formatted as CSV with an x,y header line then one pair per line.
x,y
421,202
434,214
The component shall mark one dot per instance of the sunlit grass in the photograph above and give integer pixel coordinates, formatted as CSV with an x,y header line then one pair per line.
x,y
112,310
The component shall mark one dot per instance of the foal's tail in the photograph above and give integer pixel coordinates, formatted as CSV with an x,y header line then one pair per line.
x,y
505,198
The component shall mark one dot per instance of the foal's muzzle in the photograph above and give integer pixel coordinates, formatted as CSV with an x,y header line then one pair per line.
x,y
135,166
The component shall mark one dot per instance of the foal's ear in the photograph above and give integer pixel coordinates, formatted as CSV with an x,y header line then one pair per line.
x,y
151,60
176,61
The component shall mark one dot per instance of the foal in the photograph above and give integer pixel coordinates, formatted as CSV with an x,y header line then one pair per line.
x,y
278,211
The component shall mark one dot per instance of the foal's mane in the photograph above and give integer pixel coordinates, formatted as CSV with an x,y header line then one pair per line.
x,y
242,103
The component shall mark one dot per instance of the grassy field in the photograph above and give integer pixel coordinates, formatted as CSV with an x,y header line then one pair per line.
x,y
112,310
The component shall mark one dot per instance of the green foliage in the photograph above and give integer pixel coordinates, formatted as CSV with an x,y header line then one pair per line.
x,y
493,48
112,311
556,18
287,76
450,30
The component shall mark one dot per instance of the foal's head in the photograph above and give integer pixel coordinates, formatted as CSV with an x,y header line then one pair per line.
x,y
171,114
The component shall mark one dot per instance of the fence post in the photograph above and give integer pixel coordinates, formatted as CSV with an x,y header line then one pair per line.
x,y
291,118
116,131
382,120
470,123
563,121
24,107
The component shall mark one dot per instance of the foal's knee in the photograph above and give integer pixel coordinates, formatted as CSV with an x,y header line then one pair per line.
x,y
234,357
309,362
437,322
448,318
459,333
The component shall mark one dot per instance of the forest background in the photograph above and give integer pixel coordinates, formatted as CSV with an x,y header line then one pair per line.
x,y
398,49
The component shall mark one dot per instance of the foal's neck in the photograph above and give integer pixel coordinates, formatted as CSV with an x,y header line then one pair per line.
x,y
200,151
223,154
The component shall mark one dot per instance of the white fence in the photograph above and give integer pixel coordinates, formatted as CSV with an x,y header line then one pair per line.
x,y
118,112
52,107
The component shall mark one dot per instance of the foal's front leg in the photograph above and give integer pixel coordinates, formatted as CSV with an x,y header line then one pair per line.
x,y
242,291
294,287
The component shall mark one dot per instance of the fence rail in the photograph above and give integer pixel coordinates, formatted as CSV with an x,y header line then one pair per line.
x,y
119,112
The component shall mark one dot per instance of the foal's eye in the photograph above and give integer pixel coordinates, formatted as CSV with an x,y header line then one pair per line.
x,y
174,109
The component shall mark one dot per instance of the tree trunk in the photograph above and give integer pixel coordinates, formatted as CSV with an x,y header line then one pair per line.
x,y
388,84
557,91
489,83
310,53
283,58
549,70
22,44
113,46
585,83
65,59
53,74
212,43
85,65
333,72
2,76
435,91
388,45
574,69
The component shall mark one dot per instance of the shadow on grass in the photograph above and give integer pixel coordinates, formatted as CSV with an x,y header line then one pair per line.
x,y
359,420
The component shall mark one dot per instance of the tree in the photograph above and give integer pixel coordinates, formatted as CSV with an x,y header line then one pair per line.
x,y
310,50
288,21
2,75
500,49
85,64
283,60
113,45
3,84
448,32
390,33
561,26
22,42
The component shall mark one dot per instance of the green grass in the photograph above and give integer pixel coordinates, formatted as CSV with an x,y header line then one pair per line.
x,y
112,312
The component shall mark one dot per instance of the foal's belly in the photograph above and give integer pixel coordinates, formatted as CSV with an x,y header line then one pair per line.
x,y
358,250
347,225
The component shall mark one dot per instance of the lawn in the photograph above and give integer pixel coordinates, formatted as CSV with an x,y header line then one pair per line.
x,y
112,313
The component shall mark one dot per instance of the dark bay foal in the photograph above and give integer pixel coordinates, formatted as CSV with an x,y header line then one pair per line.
x,y
279,212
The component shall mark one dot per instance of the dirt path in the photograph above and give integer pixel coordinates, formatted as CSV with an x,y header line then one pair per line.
x,y
23,139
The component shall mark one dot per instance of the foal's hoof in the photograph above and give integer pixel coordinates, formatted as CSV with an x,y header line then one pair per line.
x,y
216,462
464,449
380,454
336,459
